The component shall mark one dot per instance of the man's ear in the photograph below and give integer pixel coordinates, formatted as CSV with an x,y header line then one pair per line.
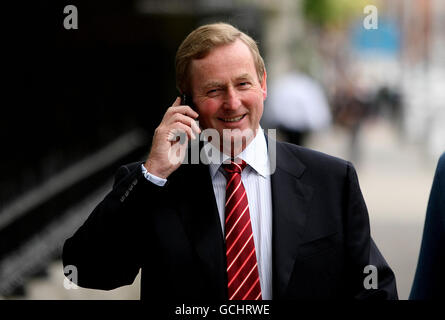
x,y
264,85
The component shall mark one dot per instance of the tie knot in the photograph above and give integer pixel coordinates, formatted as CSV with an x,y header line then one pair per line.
x,y
236,166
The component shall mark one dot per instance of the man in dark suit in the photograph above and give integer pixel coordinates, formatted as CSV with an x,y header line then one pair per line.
x,y
430,278
255,219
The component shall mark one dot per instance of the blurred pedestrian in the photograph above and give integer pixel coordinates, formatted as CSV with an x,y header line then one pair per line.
x,y
297,106
351,106
429,280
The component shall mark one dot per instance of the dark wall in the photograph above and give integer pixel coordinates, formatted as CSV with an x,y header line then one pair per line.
x,y
70,92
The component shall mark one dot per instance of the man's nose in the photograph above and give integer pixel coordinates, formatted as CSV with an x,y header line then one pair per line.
x,y
232,99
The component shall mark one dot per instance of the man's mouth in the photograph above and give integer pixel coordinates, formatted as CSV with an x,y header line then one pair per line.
x,y
233,119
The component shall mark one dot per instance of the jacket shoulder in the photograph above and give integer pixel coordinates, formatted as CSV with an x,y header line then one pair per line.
x,y
316,160
441,164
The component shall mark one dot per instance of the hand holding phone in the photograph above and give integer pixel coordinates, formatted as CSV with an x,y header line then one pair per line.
x,y
177,125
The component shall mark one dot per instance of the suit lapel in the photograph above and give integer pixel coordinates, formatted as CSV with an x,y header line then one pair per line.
x,y
201,222
291,204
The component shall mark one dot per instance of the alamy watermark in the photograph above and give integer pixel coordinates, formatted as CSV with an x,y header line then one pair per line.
x,y
371,21
71,21
371,280
71,276
231,143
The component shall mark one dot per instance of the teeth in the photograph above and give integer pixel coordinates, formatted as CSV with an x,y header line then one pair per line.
x,y
233,119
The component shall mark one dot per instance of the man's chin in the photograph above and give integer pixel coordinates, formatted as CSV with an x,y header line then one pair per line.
x,y
235,140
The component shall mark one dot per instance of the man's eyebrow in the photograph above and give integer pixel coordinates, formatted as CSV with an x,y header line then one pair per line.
x,y
212,84
244,76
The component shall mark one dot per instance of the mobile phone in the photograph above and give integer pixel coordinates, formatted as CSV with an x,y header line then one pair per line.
x,y
187,100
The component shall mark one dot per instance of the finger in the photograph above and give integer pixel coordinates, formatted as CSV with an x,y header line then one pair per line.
x,y
177,102
178,117
195,126
187,129
179,128
176,135
186,110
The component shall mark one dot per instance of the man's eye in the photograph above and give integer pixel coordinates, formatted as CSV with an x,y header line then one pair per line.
x,y
213,92
244,84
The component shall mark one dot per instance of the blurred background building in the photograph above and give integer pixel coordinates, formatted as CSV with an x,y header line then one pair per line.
x,y
79,103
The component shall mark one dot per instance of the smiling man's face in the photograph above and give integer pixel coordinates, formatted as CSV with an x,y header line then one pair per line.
x,y
226,89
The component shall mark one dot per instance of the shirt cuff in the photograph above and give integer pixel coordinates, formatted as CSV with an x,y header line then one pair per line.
x,y
152,178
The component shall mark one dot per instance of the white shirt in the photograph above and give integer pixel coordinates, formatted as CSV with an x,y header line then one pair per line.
x,y
256,181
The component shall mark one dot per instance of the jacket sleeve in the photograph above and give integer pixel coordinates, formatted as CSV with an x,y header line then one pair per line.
x,y
370,275
105,250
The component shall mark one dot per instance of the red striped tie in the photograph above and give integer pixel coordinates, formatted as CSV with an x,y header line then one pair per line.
x,y
242,269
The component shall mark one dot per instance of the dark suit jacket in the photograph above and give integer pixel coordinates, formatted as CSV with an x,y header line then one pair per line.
x,y
429,280
320,244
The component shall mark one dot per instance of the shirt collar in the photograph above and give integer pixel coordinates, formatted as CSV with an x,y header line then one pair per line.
x,y
255,155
